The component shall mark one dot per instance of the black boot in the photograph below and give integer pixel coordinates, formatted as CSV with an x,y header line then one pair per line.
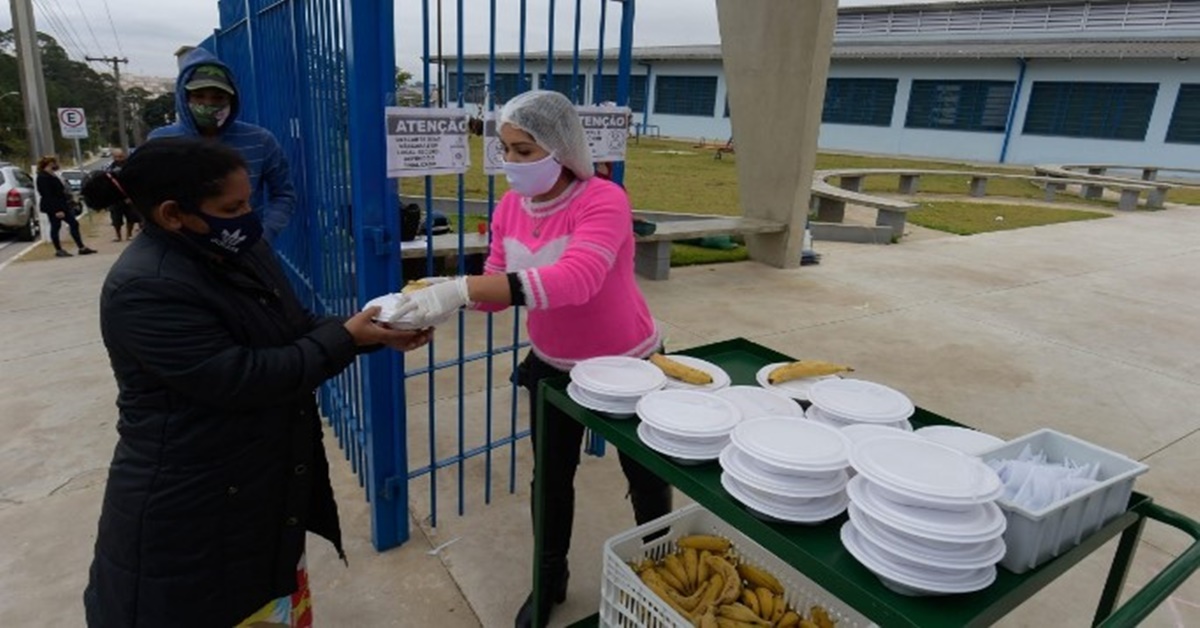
x,y
554,591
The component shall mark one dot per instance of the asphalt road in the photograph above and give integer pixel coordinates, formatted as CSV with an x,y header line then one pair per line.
x,y
10,246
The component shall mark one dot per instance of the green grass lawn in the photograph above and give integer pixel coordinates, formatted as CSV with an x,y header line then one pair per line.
x,y
972,218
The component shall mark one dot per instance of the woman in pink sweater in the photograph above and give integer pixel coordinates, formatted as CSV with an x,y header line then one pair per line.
x,y
562,246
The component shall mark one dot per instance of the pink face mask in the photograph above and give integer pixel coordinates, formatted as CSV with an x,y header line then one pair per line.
x,y
534,178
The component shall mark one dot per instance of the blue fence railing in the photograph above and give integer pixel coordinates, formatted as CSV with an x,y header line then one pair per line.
x,y
318,74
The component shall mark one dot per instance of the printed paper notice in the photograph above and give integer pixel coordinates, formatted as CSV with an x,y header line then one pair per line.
x,y
607,129
426,141
493,150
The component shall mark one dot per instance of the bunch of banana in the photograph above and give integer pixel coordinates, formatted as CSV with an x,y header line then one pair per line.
x,y
680,371
804,369
704,582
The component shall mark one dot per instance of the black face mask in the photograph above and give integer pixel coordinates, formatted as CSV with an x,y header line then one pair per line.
x,y
227,237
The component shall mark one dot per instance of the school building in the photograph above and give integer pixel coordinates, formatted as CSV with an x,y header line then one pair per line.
x,y
995,81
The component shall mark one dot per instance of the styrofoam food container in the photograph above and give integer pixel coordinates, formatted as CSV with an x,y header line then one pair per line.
x,y
390,303
796,388
981,523
815,511
1035,536
916,550
906,581
816,414
688,413
614,410
618,375
739,465
924,473
969,441
807,503
720,377
860,401
681,455
792,446
862,431
755,402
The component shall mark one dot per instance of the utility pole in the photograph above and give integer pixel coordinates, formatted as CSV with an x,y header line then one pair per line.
x,y
33,84
116,64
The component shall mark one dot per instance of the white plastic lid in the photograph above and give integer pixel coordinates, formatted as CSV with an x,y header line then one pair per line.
x,y
664,444
926,470
859,400
813,511
909,580
913,549
618,375
795,388
980,523
969,441
862,431
793,445
688,412
755,402
736,463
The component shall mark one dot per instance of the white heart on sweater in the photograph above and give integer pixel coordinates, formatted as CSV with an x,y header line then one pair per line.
x,y
518,257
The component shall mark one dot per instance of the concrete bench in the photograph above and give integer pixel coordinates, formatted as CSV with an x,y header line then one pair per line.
x,y
830,203
1093,182
653,252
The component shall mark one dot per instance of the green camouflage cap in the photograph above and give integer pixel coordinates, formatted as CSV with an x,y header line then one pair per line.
x,y
209,76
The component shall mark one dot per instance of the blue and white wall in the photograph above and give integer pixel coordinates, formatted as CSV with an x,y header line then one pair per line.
x,y
899,138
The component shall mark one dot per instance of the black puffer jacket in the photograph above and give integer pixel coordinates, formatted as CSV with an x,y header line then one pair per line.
x,y
52,193
219,468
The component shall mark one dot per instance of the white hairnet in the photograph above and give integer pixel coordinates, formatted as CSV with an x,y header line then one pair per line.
x,y
554,124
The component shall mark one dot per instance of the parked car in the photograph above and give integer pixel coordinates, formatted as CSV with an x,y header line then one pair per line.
x,y
19,212
73,179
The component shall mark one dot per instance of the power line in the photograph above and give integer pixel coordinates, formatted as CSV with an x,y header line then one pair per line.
x,y
61,34
114,28
88,24
68,23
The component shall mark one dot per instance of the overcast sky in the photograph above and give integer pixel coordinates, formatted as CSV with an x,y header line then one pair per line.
x,y
147,32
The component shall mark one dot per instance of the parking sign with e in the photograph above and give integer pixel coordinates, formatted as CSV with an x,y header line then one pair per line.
x,y
72,122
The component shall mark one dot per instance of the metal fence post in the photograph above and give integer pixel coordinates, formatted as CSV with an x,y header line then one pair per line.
x,y
370,62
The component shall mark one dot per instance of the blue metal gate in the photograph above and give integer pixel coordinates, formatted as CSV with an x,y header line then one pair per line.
x,y
318,74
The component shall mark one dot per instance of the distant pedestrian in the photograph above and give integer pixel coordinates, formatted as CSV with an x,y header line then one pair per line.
x,y
122,214
56,204
206,105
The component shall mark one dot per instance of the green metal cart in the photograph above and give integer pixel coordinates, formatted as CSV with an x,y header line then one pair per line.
x,y
817,552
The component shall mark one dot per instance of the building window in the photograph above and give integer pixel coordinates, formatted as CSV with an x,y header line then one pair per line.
x,y
1119,111
475,87
1185,121
685,95
562,83
637,91
863,101
959,105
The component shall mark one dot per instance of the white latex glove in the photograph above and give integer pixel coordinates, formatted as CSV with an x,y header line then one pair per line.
x,y
435,303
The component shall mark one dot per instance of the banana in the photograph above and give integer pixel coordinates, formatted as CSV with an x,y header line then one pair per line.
x,y
807,623
666,597
675,566
759,578
821,617
725,622
668,578
691,566
766,602
679,371
750,600
691,602
780,608
805,368
702,567
742,613
414,285
707,620
789,620
733,584
714,544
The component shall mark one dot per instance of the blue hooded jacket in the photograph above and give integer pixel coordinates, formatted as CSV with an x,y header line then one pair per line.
x,y
273,195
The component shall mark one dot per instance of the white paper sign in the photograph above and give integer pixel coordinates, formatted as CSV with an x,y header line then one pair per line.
x,y
607,129
493,150
426,141
72,123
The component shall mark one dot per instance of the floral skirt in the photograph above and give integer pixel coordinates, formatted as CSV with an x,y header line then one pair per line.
x,y
289,611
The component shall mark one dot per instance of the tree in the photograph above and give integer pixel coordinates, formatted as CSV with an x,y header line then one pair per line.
x,y
159,111
403,78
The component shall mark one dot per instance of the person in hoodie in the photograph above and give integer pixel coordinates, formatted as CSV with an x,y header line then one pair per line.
x,y
206,105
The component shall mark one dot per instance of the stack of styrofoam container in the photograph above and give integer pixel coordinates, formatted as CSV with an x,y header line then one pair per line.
x,y
1035,536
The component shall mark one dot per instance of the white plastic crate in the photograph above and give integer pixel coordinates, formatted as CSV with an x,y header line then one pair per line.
x,y
625,602
1035,536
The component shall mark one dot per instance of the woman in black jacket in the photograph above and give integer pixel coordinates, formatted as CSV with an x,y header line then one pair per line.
x,y
53,201
219,470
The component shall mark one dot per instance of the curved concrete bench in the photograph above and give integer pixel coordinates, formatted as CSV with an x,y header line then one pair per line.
x,y
830,200
1094,182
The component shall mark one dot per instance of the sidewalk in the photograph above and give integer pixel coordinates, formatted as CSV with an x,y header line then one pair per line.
x,y
1087,327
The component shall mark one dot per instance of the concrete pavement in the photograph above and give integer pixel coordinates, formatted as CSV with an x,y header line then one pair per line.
x,y
1087,327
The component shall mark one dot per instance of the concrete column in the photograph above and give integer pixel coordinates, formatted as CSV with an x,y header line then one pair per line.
x,y
776,58
978,186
